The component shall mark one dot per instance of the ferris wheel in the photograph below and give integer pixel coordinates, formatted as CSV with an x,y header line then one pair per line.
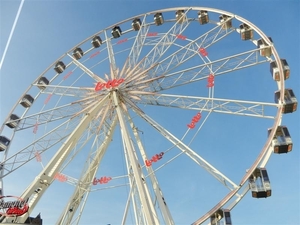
x,y
163,112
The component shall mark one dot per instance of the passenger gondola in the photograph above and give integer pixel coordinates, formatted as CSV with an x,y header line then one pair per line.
x,y
275,70
226,22
77,53
260,184
4,142
203,17
59,67
13,121
221,216
136,24
282,141
42,83
289,101
246,32
27,101
158,19
116,32
265,49
96,42
180,16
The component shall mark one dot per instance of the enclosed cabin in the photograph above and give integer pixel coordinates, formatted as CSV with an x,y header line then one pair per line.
x,y
77,53
13,121
220,217
225,21
282,141
59,67
265,49
246,32
203,17
4,142
116,32
289,100
96,42
260,184
158,19
180,16
27,101
136,24
42,83
275,70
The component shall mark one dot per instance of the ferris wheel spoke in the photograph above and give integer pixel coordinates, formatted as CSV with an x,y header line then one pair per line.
x,y
78,92
165,42
202,72
186,52
86,70
48,116
227,106
154,182
48,173
86,180
189,152
143,192
97,130
138,44
40,145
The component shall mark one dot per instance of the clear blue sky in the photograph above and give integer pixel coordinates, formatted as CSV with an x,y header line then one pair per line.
x,y
47,29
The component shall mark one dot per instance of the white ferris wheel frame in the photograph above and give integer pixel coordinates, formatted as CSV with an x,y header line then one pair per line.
x,y
236,190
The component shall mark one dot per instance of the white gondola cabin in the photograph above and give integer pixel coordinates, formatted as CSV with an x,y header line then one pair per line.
x,y
13,121
221,216
226,22
116,32
4,142
27,101
282,141
77,53
136,24
275,71
59,67
289,102
260,184
158,19
265,49
180,16
203,17
96,42
246,32
42,83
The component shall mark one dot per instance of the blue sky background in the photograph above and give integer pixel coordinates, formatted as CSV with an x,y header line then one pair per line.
x,y
47,29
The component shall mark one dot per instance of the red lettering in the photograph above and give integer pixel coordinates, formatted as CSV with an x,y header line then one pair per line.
x,y
210,80
122,41
35,127
94,54
154,158
195,120
102,180
152,34
60,177
148,163
203,52
109,84
67,75
180,36
38,157
191,125
48,99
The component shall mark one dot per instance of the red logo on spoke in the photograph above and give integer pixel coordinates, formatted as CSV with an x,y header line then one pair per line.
x,y
109,84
